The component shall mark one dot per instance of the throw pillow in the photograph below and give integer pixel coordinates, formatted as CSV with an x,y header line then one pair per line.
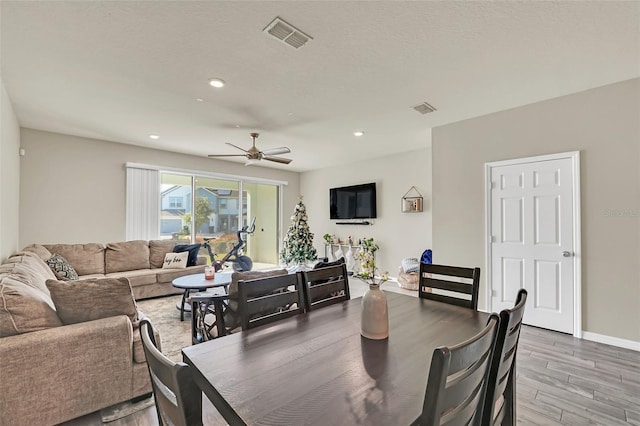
x,y
88,300
61,268
193,250
175,260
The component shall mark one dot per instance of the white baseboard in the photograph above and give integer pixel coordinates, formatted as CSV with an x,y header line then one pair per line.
x,y
613,341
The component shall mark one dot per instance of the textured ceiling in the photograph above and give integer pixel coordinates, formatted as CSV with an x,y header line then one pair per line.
x,y
120,71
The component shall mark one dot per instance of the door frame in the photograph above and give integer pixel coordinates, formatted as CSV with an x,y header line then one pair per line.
x,y
574,156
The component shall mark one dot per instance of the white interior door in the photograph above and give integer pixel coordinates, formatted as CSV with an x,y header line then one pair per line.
x,y
532,244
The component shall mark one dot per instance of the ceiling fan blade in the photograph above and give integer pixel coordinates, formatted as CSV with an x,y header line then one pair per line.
x,y
226,155
276,159
276,151
236,146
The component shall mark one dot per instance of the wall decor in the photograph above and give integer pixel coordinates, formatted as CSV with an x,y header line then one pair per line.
x,y
412,204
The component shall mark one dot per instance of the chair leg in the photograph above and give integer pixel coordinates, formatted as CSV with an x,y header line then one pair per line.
x,y
510,399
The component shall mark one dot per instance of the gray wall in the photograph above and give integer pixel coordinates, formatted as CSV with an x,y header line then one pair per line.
x,y
399,234
9,176
604,125
73,189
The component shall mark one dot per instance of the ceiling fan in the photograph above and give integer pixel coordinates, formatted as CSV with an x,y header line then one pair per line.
x,y
254,155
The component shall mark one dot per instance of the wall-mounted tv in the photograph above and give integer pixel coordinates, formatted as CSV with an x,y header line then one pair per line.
x,y
353,202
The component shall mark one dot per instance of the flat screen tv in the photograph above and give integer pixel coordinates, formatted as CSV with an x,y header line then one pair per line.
x,y
353,202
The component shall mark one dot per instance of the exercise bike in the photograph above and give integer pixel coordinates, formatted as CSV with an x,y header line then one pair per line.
x,y
238,260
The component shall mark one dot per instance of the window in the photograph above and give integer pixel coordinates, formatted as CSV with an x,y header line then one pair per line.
x,y
185,206
175,202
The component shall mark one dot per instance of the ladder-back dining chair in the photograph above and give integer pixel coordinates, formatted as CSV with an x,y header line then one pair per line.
x,y
265,300
178,399
461,284
325,286
457,383
500,404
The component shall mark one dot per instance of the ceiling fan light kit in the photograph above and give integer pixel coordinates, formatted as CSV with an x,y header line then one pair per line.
x,y
254,155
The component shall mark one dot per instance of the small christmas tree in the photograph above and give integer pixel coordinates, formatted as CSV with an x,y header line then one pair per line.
x,y
298,243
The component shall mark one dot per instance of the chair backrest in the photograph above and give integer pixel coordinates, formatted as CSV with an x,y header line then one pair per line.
x,y
325,286
455,280
265,300
457,382
178,399
231,316
501,390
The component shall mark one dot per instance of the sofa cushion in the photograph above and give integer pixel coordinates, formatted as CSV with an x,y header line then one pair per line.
x,y
126,256
23,308
61,268
157,250
29,269
136,278
168,275
86,259
138,349
38,249
86,300
192,249
175,260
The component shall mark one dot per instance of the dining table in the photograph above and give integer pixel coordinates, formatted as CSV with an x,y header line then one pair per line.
x,y
316,369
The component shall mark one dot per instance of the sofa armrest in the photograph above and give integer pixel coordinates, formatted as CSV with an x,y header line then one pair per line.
x,y
65,371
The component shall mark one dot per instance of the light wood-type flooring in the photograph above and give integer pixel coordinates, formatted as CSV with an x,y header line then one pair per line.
x,y
561,381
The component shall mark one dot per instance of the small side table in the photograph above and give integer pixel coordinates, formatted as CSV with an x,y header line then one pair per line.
x,y
196,282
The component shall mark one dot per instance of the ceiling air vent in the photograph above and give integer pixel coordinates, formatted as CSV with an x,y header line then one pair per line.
x,y
424,108
287,33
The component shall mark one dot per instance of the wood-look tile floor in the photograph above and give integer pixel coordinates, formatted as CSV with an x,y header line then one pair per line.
x,y
561,381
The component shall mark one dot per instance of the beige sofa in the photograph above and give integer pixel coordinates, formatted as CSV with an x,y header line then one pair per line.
x,y
50,372
139,261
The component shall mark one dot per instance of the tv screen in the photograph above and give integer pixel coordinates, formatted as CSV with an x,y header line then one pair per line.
x,y
353,202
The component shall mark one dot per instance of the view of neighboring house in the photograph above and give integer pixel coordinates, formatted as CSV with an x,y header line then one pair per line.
x,y
223,204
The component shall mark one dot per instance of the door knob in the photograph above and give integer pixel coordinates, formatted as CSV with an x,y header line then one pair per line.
x,y
566,253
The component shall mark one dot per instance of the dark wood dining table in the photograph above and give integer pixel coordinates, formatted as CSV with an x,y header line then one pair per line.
x,y
316,369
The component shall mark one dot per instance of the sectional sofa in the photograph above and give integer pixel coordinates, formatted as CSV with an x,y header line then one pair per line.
x,y
69,348
140,261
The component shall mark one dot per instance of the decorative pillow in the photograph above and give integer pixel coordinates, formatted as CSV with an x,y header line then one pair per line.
x,y
61,268
193,250
88,300
410,264
175,260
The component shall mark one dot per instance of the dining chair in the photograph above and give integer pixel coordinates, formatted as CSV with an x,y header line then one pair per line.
x,y
499,408
325,286
457,383
265,300
178,399
461,284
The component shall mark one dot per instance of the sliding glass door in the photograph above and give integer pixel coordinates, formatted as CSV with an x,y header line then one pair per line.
x,y
196,207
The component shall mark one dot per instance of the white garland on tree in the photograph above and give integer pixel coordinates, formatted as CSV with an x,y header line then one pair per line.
x,y
298,242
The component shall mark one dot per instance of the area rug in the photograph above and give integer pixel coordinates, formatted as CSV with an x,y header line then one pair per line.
x,y
118,411
165,317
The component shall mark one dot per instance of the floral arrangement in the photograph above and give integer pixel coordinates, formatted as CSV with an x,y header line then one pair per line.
x,y
366,256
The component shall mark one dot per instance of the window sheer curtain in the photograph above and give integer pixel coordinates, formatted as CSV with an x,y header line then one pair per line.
x,y
143,203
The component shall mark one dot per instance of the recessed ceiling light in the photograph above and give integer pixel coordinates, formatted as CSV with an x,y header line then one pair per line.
x,y
199,99
237,126
154,136
358,133
216,82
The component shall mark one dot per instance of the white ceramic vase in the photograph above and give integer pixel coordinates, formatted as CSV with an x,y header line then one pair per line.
x,y
375,314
